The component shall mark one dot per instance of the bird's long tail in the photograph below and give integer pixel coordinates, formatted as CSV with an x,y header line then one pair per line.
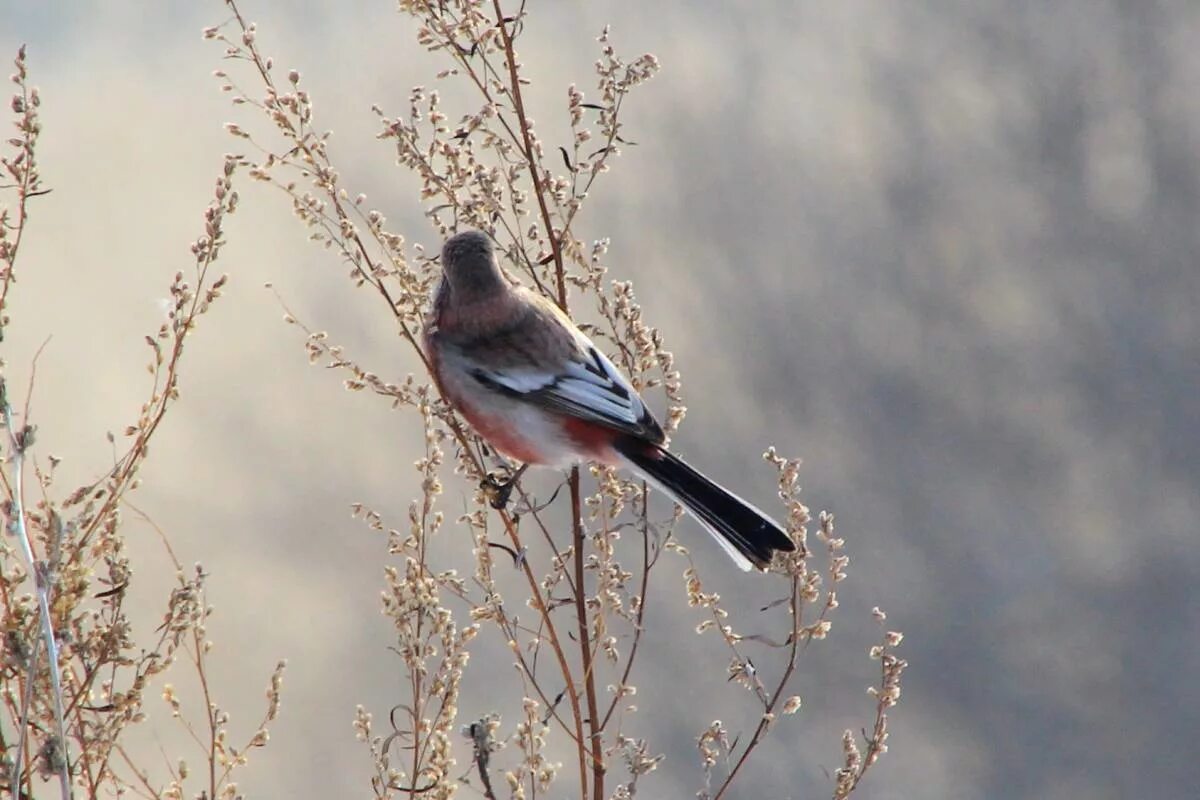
x,y
748,535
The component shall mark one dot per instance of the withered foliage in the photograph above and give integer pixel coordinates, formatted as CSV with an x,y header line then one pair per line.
x,y
75,673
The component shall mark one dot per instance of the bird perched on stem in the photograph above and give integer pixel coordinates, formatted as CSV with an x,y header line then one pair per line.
x,y
539,391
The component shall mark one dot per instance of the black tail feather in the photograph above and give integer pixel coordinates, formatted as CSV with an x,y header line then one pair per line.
x,y
739,526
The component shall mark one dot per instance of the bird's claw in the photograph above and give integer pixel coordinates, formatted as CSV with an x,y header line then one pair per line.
x,y
497,492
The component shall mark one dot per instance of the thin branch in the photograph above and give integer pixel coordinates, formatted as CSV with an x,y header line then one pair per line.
x,y
45,575
532,160
23,167
768,715
584,641
539,190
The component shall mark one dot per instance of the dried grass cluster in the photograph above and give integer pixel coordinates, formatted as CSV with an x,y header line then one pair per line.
x,y
75,674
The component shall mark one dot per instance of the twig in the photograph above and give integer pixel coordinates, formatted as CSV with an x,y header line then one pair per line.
x,y
584,639
539,190
765,720
45,574
531,158
23,167
26,702
639,623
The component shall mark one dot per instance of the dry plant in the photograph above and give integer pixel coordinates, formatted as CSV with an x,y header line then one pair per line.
x,y
75,674
566,592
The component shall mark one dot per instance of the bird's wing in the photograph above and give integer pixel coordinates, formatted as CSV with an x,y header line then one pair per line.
x,y
547,361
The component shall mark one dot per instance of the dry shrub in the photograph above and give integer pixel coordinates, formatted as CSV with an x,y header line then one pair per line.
x,y
563,583
75,674
484,166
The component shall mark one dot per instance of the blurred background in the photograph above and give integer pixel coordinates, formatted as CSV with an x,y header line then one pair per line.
x,y
945,252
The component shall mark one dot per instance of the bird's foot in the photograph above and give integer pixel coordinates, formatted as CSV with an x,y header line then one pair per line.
x,y
499,491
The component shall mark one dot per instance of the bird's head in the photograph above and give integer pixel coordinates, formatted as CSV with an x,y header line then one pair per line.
x,y
470,267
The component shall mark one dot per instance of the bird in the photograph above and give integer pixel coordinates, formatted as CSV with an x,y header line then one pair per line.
x,y
539,391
